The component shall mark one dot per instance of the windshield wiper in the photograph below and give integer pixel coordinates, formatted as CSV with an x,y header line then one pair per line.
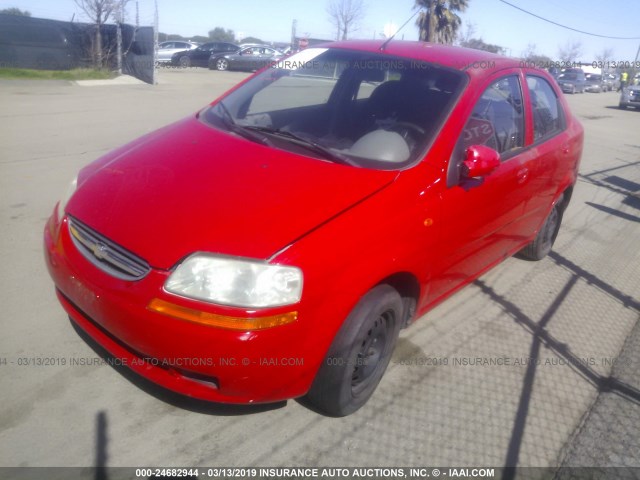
x,y
326,152
232,126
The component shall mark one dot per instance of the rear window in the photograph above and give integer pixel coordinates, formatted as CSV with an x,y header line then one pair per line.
x,y
548,116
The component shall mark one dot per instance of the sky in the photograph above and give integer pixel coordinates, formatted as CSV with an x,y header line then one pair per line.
x,y
494,21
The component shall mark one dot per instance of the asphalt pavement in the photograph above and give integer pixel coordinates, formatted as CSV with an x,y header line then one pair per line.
x,y
533,365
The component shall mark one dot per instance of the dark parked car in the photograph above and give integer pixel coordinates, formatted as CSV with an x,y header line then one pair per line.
x,y
572,81
199,57
249,59
273,244
595,83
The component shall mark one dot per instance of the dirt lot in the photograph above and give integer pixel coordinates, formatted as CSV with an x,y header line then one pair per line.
x,y
440,402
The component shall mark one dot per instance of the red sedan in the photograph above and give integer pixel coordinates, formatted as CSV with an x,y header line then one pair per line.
x,y
272,245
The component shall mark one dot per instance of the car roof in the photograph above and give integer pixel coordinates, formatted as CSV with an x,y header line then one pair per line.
x,y
453,57
218,43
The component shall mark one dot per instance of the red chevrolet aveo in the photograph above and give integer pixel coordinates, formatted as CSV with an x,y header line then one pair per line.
x,y
272,245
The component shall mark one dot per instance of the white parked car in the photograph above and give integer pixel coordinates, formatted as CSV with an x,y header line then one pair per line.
x,y
167,49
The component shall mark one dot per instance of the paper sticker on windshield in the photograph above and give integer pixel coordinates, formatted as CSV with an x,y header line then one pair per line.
x,y
303,59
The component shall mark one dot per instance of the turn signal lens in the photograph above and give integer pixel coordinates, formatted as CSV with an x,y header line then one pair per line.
x,y
220,321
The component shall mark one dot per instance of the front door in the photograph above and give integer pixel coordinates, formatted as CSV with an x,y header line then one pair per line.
x,y
482,217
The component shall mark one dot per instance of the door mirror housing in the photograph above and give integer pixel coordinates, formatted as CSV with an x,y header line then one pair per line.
x,y
479,161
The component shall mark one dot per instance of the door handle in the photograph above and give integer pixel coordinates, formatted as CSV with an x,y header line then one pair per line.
x,y
522,175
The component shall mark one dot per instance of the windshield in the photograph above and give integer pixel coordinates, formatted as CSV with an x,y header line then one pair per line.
x,y
358,108
568,76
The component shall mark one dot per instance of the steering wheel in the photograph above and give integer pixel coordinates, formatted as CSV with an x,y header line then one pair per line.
x,y
405,128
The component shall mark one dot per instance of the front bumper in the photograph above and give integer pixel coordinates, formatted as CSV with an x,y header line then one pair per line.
x,y
227,366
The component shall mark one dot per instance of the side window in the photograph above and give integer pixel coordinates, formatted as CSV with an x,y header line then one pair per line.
x,y
546,108
497,120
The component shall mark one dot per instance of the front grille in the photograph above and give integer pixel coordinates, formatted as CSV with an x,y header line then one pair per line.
x,y
106,255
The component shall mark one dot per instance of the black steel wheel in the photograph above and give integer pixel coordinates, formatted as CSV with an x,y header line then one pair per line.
x,y
542,244
359,354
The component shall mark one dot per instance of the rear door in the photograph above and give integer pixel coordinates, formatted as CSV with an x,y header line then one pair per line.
x,y
551,147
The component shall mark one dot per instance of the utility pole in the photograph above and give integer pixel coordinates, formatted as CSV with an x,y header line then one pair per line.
x,y
635,62
155,44
294,24
119,18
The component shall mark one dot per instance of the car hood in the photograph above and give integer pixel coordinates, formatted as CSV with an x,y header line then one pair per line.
x,y
189,187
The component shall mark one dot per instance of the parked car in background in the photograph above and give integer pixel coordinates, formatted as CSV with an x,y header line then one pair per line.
x,y
248,59
272,245
167,49
199,57
610,82
213,58
554,72
630,97
572,81
594,83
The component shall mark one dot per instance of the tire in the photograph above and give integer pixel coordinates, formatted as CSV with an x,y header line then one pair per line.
x,y
222,64
622,107
184,61
541,245
359,354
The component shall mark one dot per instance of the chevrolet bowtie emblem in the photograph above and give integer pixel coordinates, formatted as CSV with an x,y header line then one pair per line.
x,y
99,250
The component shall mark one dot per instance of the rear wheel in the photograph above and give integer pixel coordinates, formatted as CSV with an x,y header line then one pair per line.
x,y
222,64
359,354
541,245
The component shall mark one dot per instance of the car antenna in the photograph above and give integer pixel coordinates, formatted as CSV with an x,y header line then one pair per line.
x,y
386,42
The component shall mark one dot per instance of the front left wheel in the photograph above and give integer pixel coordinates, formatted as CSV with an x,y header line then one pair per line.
x,y
359,354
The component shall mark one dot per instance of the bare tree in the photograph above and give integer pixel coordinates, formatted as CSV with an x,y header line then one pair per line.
x,y
570,51
465,35
344,15
605,55
530,51
531,55
99,12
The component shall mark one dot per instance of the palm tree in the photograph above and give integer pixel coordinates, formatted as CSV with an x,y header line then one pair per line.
x,y
438,21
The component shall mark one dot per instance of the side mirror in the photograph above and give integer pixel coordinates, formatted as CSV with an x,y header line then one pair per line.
x,y
480,161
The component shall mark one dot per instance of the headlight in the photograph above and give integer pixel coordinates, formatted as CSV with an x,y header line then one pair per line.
x,y
62,204
236,282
